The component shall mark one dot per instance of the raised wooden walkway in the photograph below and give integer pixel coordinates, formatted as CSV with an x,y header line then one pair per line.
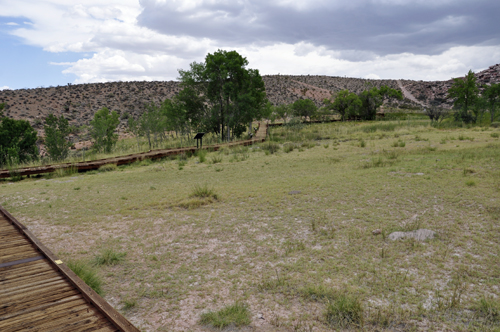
x,y
127,159
40,293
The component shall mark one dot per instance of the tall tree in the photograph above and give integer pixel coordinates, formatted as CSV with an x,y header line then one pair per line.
x,y
56,130
491,97
235,95
17,142
102,129
373,98
345,103
465,92
304,108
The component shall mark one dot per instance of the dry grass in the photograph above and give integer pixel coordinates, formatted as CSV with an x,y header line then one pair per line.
x,y
289,256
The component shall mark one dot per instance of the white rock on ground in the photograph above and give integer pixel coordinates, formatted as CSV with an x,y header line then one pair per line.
x,y
419,234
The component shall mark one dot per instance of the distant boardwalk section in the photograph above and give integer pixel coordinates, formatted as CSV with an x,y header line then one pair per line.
x,y
40,293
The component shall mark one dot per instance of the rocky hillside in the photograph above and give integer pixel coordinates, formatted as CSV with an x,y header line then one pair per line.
x,y
435,92
79,102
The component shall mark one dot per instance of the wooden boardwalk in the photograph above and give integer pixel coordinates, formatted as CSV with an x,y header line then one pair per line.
x,y
40,293
128,159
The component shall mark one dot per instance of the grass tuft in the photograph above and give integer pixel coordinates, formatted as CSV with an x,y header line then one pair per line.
x,y
345,311
236,314
87,274
203,191
108,168
109,257
488,308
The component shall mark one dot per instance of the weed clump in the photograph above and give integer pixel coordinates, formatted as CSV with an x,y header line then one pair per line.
x,y
109,257
108,168
270,147
236,314
87,274
345,311
203,191
488,308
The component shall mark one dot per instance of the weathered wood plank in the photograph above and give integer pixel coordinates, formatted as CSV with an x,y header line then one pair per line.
x,y
14,309
19,256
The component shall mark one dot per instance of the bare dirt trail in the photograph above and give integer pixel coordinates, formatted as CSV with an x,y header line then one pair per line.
x,y
408,94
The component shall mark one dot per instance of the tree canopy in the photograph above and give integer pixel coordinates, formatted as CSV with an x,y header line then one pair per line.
x,y
304,108
17,142
345,103
102,130
465,92
228,96
373,98
56,129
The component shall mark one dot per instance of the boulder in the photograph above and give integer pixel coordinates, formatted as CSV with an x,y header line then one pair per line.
x,y
419,235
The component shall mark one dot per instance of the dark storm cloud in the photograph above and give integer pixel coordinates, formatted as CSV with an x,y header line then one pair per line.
x,y
372,27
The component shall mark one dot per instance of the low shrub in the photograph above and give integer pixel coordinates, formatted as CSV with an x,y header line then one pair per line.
x,y
270,147
203,191
345,311
288,147
494,135
236,314
495,124
87,274
488,308
109,257
202,155
216,159
108,168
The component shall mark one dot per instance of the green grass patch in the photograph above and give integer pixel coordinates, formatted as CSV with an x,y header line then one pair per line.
x,y
109,256
233,315
89,275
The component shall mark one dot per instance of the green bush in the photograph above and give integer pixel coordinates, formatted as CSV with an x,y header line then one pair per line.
x,y
288,147
495,124
488,308
270,147
108,168
203,191
216,159
494,135
345,311
236,314
109,257
202,155
87,274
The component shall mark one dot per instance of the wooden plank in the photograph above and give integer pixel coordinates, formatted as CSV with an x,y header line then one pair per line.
x,y
12,243
10,310
38,298
12,237
78,321
19,269
18,282
26,292
35,319
16,257
28,247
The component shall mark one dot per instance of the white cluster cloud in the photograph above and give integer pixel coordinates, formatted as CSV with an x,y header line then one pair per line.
x,y
152,39
4,87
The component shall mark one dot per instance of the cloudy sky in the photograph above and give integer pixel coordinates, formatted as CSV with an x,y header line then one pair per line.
x,y
55,42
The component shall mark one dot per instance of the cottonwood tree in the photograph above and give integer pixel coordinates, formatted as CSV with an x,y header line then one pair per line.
x,y
102,130
466,93
345,103
234,95
491,100
304,108
56,130
17,142
373,98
